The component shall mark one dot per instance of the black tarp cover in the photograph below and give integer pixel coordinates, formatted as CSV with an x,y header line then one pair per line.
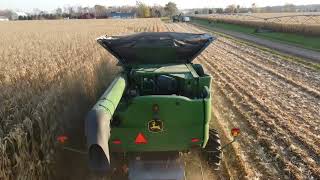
x,y
156,47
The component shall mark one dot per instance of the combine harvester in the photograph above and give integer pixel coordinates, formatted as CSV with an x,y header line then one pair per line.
x,y
157,108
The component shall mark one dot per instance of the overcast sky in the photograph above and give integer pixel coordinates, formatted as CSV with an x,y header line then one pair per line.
x,y
49,5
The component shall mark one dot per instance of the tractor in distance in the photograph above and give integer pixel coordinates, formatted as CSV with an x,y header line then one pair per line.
x,y
180,18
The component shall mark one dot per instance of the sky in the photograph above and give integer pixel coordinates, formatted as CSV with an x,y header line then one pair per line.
x,y
50,5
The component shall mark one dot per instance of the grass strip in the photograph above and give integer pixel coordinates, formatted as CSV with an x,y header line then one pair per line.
x,y
308,42
287,57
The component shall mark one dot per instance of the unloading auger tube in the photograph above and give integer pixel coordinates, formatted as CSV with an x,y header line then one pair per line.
x,y
98,125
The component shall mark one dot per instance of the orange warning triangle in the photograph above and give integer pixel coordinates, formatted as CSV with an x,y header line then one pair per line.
x,y
140,139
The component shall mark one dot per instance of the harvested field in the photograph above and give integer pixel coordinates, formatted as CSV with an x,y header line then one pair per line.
x,y
50,77
284,18
276,103
301,23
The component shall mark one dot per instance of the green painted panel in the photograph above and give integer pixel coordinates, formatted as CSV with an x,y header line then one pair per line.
x,y
182,118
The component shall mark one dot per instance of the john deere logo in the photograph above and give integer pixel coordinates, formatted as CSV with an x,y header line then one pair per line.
x,y
155,125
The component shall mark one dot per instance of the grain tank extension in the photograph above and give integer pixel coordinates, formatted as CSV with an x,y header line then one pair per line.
x,y
158,107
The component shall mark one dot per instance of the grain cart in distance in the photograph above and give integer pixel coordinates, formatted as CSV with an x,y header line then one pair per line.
x,y
180,18
158,107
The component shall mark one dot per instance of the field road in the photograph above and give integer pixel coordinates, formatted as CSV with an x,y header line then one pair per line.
x,y
274,101
282,47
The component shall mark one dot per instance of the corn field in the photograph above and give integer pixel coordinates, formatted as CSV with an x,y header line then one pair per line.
x,y
51,73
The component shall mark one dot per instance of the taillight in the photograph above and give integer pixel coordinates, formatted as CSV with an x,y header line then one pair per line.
x,y
116,141
62,139
195,140
141,139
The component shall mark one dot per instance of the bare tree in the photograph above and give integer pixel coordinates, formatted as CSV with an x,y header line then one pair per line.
x,y
219,10
157,11
143,10
58,11
289,8
70,11
238,8
254,7
36,11
231,8
6,13
171,8
100,11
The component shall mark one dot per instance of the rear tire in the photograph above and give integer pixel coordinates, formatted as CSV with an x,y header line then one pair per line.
x,y
212,152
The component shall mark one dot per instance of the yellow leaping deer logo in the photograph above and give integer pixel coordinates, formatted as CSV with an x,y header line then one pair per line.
x,y
155,125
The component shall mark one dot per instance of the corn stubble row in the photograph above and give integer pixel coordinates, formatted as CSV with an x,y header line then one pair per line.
x,y
268,97
51,72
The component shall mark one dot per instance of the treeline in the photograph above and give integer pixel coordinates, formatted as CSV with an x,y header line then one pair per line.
x,y
140,10
233,8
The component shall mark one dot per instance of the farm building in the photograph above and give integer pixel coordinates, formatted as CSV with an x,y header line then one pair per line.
x,y
120,15
3,18
87,16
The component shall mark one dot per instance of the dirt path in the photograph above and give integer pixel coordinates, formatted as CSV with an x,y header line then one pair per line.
x,y
282,47
275,102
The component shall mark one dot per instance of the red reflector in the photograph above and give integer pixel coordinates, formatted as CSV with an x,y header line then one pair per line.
x,y
116,141
140,139
62,139
235,132
195,140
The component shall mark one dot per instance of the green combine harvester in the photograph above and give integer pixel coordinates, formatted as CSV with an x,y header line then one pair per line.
x,y
157,108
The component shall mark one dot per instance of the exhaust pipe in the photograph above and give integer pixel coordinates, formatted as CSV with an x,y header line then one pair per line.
x,y
97,126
